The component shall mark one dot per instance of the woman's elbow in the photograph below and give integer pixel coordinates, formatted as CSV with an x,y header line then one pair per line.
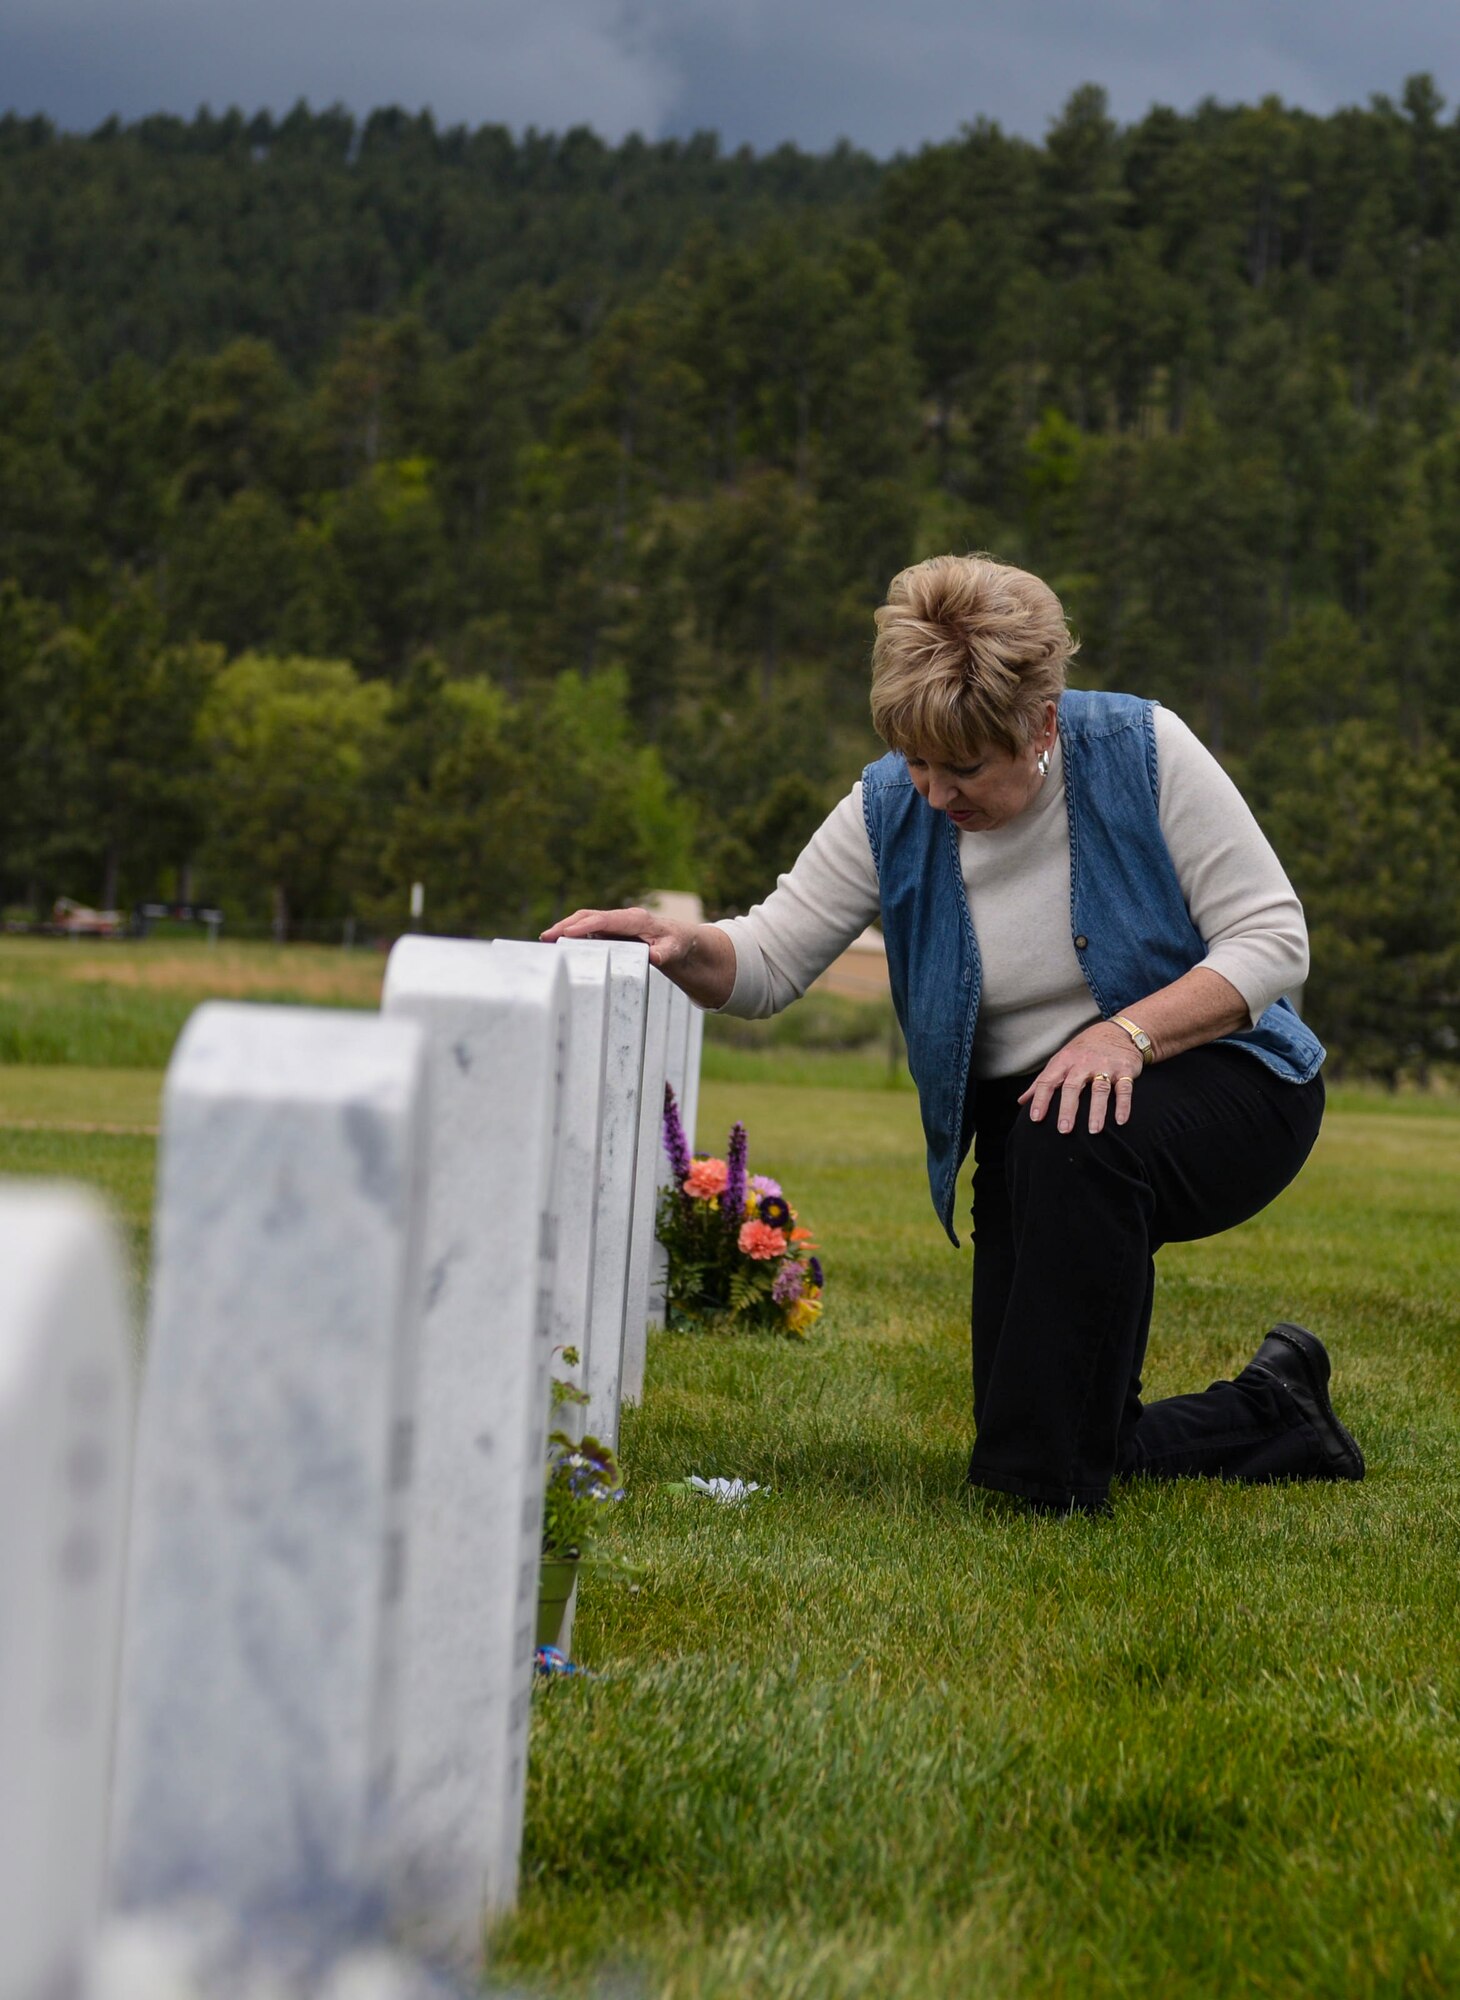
x,y
1302,961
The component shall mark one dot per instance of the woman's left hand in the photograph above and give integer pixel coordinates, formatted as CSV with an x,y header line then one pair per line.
x,y
1105,1058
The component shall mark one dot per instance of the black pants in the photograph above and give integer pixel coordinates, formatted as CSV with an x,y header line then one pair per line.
x,y
1065,1228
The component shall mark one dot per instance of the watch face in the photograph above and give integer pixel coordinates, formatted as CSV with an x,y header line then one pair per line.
x,y
1138,1036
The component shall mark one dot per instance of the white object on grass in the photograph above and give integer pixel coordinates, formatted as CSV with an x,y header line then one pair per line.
x,y
731,1491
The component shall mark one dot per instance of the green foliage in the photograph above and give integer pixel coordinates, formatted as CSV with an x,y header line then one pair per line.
x,y
760,839
289,744
820,1021
594,461
564,1391
583,1482
1370,830
510,811
101,756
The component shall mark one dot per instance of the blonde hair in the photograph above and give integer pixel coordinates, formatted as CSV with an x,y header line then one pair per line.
x,y
968,651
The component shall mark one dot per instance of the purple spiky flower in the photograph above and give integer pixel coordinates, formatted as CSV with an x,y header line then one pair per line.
x,y
732,1202
675,1143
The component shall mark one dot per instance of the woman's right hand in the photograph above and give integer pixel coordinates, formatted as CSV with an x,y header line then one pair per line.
x,y
700,958
669,943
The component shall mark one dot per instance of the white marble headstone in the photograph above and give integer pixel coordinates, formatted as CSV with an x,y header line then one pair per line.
x,y
256,1730
628,987
576,1217
643,1243
694,1055
496,1020
676,1058
65,1444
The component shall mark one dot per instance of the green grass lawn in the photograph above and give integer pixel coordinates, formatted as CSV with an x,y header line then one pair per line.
x,y
863,1737
121,1004
866,1737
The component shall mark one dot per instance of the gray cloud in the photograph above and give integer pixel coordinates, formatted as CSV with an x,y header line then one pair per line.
x,y
472,61
891,76
887,76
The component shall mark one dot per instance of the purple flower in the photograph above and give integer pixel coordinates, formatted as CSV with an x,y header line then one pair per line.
x,y
763,1184
817,1277
732,1202
675,1143
776,1211
789,1285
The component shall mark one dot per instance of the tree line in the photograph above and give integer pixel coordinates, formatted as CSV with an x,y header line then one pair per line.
x,y
383,504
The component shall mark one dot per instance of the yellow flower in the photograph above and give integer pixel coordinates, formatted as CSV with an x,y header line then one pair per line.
x,y
802,1315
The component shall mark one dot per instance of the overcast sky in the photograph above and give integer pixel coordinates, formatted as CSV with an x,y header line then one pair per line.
x,y
888,74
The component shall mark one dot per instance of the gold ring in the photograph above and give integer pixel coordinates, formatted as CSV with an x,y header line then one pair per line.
x,y
1126,1079
1100,1077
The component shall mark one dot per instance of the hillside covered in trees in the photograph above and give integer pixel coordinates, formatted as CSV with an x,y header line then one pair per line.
x,y
381,503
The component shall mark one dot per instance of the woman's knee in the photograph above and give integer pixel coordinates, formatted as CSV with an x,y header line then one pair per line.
x,y
1036,1151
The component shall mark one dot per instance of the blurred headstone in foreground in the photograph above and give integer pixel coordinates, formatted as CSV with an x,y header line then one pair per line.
x,y
65,1443
256,1732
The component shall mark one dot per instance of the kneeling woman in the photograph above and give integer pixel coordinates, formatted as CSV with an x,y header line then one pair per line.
x,y
1088,938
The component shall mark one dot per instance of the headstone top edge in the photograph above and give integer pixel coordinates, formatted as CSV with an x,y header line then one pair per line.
x,y
53,1234
72,1202
594,973
310,1054
626,959
51,1219
471,969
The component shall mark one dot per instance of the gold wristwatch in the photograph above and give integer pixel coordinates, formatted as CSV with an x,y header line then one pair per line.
x,y
1138,1035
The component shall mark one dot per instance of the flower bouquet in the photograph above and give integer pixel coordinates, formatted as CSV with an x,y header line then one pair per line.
x,y
736,1249
582,1479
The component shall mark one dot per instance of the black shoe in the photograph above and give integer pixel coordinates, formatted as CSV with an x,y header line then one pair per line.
x,y
1299,1360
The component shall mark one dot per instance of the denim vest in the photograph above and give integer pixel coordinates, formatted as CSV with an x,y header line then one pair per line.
x,y
1129,921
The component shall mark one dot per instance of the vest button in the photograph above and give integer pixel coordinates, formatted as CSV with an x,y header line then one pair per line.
x,y
1081,943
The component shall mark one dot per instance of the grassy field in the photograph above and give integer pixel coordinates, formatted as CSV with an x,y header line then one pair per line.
x,y
865,1737
122,1004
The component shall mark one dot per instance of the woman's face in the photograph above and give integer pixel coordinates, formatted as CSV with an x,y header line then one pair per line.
x,y
988,792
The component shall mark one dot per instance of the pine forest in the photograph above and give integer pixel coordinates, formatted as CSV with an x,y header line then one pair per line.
x,y
384,504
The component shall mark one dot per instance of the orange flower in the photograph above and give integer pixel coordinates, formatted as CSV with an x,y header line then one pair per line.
x,y
803,1236
759,1240
706,1179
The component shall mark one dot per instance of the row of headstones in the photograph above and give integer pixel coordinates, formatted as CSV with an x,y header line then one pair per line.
x,y
371,1233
